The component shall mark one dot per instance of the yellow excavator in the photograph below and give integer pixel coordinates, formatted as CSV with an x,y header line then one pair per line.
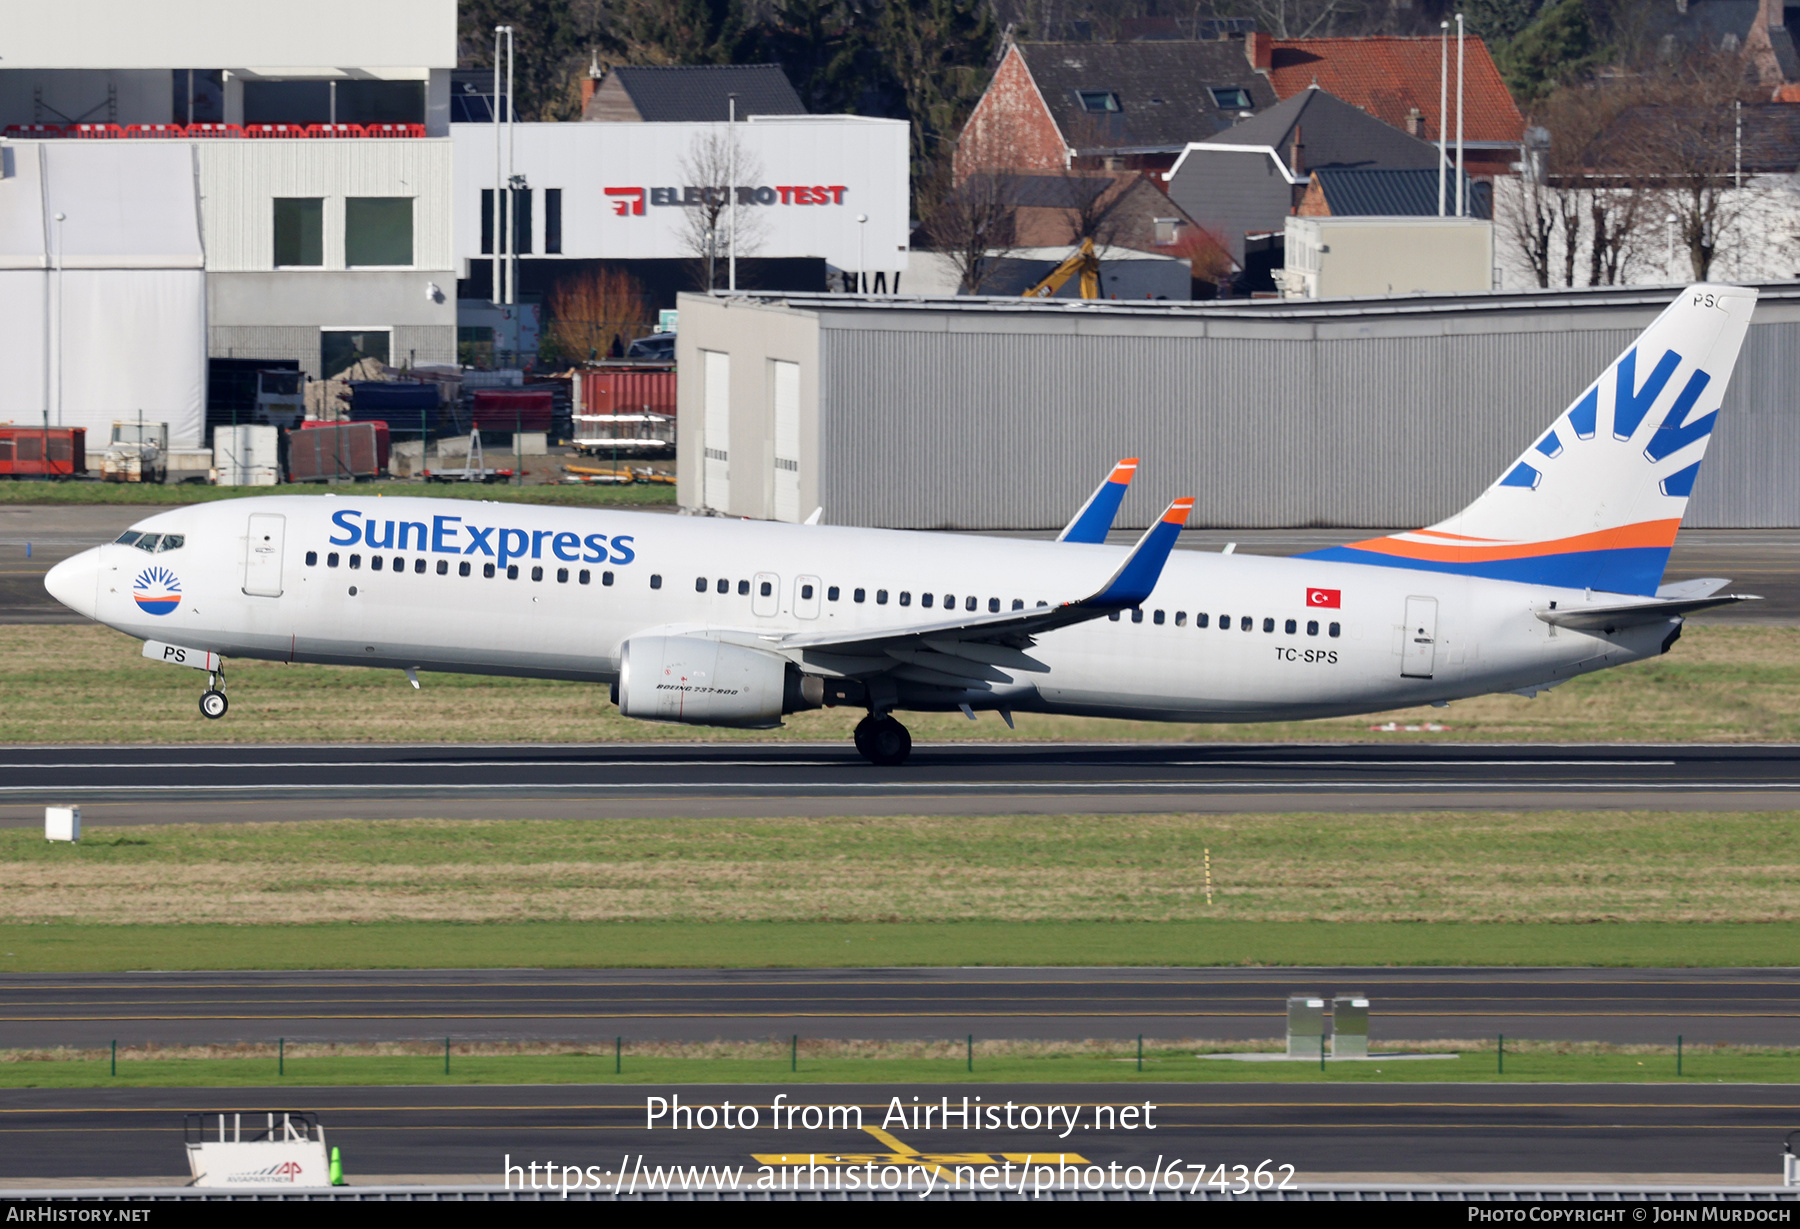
x,y
1083,261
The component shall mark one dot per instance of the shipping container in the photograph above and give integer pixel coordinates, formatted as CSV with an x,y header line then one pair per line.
x,y
528,409
407,408
382,437
342,450
22,451
247,455
621,391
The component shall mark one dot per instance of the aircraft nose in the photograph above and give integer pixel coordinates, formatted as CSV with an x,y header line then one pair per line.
x,y
75,582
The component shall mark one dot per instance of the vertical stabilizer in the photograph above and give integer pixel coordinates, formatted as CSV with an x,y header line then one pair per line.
x,y
1596,501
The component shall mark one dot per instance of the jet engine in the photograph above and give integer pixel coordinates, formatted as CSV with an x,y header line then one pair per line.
x,y
698,681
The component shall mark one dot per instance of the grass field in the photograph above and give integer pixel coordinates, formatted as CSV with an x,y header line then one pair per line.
x,y
196,493
820,1062
73,684
1485,888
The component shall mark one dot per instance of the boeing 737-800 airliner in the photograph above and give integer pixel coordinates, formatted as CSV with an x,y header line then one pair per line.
x,y
1553,572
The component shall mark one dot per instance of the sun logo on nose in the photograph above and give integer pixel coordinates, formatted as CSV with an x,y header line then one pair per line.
x,y
157,591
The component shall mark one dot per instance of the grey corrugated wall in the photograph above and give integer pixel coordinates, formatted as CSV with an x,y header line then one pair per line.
x,y
1010,427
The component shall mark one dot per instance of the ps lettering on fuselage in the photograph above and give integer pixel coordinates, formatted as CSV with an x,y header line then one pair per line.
x,y
453,535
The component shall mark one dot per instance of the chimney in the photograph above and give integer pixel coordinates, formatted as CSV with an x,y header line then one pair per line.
x,y
592,81
1259,46
1415,123
1297,155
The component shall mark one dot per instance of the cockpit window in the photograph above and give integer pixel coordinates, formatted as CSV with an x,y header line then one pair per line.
x,y
154,543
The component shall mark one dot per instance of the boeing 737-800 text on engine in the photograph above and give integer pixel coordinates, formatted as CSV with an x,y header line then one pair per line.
x,y
1554,571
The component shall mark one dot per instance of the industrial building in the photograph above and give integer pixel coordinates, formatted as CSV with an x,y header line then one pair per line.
x,y
995,414
311,143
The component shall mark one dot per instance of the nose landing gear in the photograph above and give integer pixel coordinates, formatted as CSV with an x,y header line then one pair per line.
x,y
213,704
882,741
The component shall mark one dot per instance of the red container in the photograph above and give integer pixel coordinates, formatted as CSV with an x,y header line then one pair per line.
x,y
381,439
22,451
513,409
620,391
345,450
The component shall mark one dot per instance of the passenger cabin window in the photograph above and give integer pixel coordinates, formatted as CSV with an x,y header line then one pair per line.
x,y
443,568
1291,626
905,598
487,570
1018,603
806,592
1268,625
765,588
356,561
881,597
1332,630
562,576
1114,616
1137,616
1181,618
374,563
418,567
969,603
655,580
1246,623
312,557
1201,619
606,578
1157,618
584,576
743,588
700,585
925,599
463,568
993,605
857,595
722,585
1312,627
331,560
831,594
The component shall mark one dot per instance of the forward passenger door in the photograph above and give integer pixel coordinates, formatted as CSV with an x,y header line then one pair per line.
x,y
262,555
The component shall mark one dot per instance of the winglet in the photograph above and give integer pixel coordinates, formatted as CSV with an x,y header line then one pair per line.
x,y
1138,575
1095,519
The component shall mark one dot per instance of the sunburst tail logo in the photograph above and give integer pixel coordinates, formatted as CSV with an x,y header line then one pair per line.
x,y
157,591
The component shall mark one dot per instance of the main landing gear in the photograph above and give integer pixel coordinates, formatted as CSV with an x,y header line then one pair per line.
x,y
882,741
213,703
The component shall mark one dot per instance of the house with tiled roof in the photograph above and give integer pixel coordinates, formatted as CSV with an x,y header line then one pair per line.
x,y
700,93
1107,106
1396,80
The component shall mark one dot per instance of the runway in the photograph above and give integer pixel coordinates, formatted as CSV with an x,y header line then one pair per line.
x,y
1760,1006
185,783
1668,1132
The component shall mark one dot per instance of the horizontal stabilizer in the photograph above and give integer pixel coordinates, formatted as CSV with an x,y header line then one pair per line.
x,y
1704,587
1611,618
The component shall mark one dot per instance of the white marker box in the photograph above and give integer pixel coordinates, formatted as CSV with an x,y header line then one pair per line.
x,y
62,823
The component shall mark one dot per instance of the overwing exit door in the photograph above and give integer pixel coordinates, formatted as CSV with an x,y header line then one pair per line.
x,y
262,555
1419,655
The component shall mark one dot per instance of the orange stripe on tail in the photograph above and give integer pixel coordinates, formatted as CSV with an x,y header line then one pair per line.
x,y
1625,537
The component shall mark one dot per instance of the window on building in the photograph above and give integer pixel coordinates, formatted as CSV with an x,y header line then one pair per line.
x,y
378,230
287,102
341,348
199,96
1168,230
553,221
379,102
1097,100
1230,97
521,222
299,231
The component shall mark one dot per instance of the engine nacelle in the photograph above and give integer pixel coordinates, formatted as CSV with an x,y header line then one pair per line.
x,y
697,681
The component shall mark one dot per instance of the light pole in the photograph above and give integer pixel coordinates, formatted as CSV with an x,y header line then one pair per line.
x,y
60,219
731,188
1461,202
862,220
497,237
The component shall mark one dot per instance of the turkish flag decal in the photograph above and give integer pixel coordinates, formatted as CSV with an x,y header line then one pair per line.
x,y
1325,597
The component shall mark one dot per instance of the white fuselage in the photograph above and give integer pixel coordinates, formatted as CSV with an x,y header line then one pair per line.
x,y
1484,637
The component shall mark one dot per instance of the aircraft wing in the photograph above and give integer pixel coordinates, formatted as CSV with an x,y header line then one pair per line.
x,y
971,646
1609,618
1095,518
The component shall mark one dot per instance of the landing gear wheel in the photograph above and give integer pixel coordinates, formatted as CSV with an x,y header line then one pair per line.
x,y
860,736
213,704
885,743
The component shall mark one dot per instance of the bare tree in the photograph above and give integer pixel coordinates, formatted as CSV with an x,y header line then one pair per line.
x,y
976,225
1691,126
1301,18
715,165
